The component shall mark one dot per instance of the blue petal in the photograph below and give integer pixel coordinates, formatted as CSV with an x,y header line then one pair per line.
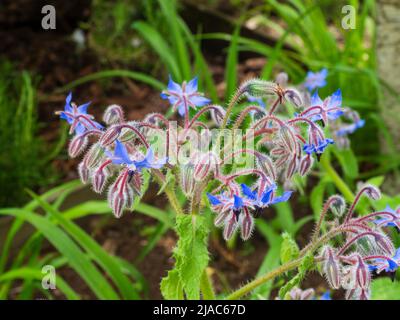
x,y
336,99
316,100
191,87
247,192
121,153
83,108
199,101
326,296
68,100
392,265
285,197
237,202
173,86
213,199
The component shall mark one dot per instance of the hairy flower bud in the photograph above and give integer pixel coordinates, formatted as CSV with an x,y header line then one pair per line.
x,y
337,204
246,223
294,97
204,166
306,163
99,179
362,273
372,192
266,165
298,294
217,114
230,227
113,114
120,194
94,156
292,166
77,145
282,79
331,267
187,179
258,88
384,244
84,172
109,137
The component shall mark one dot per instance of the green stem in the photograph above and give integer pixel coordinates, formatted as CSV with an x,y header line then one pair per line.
x,y
268,276
206,286
337,180
168,191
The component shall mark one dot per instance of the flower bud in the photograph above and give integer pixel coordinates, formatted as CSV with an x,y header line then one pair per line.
x,y
217,114
246,225
77,145
258,88
112,134
230,227
94,156
292,166
203,167
305,164
266,165
298,294
337,205
362,274
84,172
384,244
119,194
187,179
99,179
331,267
113,114
294,97
372,192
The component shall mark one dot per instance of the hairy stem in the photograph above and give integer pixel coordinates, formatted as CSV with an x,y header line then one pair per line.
x,y
206,286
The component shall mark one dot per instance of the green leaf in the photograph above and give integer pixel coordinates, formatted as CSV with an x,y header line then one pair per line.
x,y
385,289
76,258
171,286
191,254
289,248
348,162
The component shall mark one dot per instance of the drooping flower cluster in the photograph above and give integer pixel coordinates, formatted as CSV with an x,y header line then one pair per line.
x,y
366,249
279,147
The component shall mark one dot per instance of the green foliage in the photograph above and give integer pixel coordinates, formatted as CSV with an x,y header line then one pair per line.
x,y
191,258
289,248
89,260
385,289
20,163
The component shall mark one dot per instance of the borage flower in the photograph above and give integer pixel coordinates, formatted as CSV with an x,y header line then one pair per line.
x,y
264,198
78,117
331,107
317,147
316,79
185,96
232,212
387,264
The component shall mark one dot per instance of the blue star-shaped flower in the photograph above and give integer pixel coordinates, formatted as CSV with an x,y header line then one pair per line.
x,y
318,148
265,198
121,156
316,79
388,221
387,265
72,114
347,129
332,105
184,97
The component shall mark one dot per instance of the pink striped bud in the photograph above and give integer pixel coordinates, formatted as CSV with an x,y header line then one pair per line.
x,y
119,193
77,145
298,294
331,267
94,156
384,244
246,223
267,166
362,274
204,166
230,227
292,166
112,134
372,192
305,164
99,179
187,180
294,97
113,114
217,114
84,172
